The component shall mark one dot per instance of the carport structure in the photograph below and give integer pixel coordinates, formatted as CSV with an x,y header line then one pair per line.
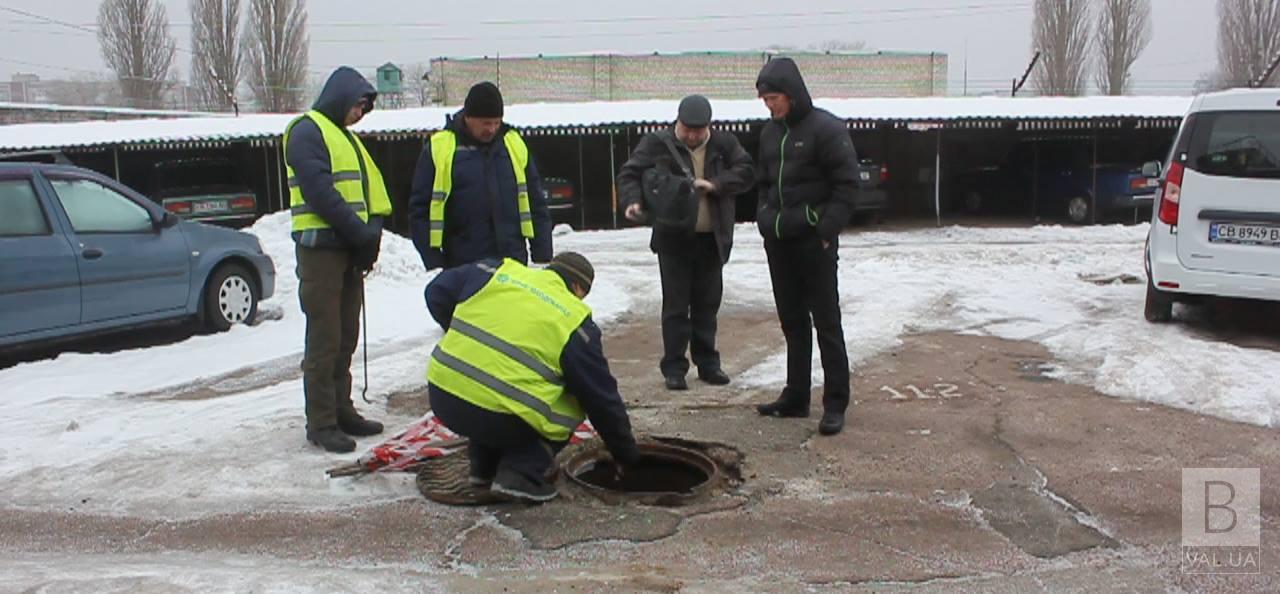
x,y
931,146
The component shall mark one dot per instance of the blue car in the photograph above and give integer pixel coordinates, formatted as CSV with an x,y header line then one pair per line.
x,y
82,254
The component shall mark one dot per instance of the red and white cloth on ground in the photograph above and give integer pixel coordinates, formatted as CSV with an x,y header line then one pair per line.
x,y
429,438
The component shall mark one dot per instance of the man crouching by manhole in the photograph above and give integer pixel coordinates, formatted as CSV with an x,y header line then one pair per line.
x,y
519,364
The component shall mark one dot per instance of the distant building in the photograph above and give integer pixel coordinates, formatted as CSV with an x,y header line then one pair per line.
x,y
26,113
720,75
24,88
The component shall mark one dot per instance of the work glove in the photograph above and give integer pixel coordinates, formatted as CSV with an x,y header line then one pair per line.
x,y
364,257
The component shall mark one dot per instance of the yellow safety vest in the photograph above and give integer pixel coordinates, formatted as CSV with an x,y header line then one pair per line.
x,y
361,187
502,350
444,145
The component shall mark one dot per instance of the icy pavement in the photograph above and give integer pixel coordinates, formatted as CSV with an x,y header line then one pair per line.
x,y
95,432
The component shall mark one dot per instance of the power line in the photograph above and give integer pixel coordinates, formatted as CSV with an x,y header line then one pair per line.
x,y
47,19
623,19
663,33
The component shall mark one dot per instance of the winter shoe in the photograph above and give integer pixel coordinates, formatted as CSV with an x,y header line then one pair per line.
x,y
676,382
483,467
332,440
510,485
832,423
359,426
715,377
782,407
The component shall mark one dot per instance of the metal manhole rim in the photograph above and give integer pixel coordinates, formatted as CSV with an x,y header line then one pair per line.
x,y
654,449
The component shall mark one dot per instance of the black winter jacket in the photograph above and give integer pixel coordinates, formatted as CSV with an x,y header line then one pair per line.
x,y
728,166
309,158
807,172
482,218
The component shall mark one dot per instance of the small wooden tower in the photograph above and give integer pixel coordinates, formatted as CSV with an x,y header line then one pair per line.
x,y
390,86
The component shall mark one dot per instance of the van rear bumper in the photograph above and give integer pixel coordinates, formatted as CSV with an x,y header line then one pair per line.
x,y
1217,284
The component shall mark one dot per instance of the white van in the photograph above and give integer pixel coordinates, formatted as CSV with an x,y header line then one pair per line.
x,y
1215,230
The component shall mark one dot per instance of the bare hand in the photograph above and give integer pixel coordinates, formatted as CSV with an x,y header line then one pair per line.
x,y
634,213
826,244
703,185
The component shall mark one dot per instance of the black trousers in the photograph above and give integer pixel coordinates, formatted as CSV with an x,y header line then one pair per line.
x,y
692,286
329,290
807,296
497,440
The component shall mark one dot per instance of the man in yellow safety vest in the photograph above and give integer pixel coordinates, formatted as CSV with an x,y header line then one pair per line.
x,y
337,201
476,193
520,366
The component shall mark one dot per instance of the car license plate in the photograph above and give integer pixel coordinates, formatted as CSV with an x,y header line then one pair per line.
x,y
866,176
1244,234
208,206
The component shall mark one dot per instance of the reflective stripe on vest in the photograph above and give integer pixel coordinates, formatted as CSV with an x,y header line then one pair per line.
x,y
502,351
364,192
444,146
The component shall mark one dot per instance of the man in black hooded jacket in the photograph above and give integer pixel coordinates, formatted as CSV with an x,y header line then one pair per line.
x,y
337,202
807,173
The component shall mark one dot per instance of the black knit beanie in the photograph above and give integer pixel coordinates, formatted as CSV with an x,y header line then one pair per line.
x,y
484,100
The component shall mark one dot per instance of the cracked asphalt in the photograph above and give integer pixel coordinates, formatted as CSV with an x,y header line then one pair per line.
x,y
961,469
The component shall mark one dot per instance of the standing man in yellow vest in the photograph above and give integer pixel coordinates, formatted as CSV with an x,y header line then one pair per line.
x,y
476,193
520,365
337,200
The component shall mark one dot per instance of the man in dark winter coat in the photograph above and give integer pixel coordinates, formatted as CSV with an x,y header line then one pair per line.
x,y
520,364
476,193
690,262
808,177
337,203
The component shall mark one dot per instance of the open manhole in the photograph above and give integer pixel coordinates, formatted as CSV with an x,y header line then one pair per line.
x,y
667,474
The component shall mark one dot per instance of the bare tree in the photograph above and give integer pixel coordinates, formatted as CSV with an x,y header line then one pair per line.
x,y
135,41
415,88
1248,40
276,53
1060,31
216,55
1124,30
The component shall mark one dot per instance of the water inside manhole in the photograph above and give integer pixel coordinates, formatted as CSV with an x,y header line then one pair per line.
x,y
650,475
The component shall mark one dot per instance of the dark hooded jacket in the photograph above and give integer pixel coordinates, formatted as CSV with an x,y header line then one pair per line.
x,y
309,158
728,166
481,217
807,171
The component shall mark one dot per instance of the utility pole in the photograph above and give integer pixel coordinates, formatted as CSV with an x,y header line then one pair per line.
x,y
1262,80
1017,84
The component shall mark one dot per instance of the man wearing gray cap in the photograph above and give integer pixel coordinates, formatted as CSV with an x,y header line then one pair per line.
x,y
690,257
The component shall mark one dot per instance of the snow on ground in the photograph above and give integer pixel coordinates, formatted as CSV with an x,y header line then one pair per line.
x,y
101,432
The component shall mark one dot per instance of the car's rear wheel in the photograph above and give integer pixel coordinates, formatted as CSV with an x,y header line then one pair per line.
x,y
1159,305
230,298
1078,210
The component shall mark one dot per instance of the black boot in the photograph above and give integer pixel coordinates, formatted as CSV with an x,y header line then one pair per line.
x,y
784,407
832,423
359,426
715,377
332,440
676,382
513,486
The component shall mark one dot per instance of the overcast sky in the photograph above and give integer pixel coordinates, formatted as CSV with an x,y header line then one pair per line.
x,y
994,35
